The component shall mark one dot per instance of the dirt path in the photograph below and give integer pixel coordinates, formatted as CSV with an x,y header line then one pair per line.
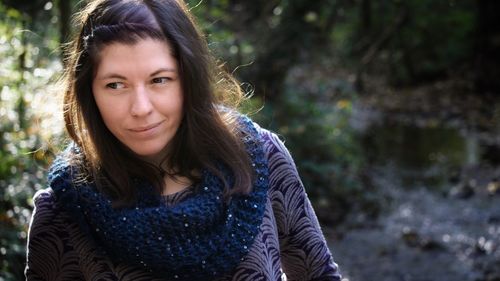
x,y
423,236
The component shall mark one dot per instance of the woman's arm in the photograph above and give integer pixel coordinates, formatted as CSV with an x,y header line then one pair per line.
x,y
304,252
49,255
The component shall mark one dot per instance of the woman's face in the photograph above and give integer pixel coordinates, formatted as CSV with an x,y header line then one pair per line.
x,y
138,91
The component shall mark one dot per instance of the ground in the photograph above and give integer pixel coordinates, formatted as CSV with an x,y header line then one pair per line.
x,y
439,232
424,235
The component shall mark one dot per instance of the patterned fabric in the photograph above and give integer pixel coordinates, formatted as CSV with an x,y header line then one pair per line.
x,y
289,245
198,237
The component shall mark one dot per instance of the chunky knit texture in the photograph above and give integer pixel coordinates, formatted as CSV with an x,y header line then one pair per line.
x,y
197,238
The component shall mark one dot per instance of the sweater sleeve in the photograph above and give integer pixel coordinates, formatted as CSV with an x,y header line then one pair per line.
x,y
303,249
49,255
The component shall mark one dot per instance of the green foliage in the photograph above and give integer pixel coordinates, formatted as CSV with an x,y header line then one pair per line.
x,y
313,118
26,69
424,53
234,48
434,37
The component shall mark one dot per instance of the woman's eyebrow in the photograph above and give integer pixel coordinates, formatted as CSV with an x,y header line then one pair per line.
x,y
118,76
111,76
163,69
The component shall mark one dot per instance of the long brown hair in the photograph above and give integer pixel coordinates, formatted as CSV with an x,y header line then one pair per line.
x,y
207,134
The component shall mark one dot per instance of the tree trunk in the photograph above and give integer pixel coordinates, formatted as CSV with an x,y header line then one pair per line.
x,y
378,45
366,15
488,48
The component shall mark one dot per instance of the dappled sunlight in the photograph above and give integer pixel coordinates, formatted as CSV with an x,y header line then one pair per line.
x,y
30,121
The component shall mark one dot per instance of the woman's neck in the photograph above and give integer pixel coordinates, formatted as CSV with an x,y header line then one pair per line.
x,y
174,184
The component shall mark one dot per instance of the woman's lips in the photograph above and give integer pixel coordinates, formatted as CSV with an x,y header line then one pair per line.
x,y
145,128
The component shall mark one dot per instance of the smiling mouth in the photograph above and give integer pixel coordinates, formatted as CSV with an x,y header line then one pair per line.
x,y
145,128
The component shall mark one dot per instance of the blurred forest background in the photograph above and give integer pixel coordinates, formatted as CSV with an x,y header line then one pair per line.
x,y
390,108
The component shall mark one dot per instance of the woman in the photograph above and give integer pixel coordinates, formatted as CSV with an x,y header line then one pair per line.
x,y
162,180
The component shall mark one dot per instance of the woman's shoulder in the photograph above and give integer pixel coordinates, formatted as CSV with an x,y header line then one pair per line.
x,y
274,145
46,211
278,158
44,198
271,141
57,180
250,126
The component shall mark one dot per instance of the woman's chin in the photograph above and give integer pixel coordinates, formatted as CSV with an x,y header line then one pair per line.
x,y
153,156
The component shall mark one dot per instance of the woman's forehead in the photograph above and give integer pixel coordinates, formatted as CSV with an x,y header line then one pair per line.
x,y
147,55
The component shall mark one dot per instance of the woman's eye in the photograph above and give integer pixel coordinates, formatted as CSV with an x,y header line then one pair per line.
x,y
115,85
160,80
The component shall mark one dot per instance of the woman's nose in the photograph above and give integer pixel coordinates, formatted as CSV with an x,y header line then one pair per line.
x,y
141,103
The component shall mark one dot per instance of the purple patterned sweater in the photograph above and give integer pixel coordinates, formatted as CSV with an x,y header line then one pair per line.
x,y
290,245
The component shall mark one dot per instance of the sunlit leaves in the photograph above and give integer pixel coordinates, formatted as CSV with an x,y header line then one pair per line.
x,y
27,111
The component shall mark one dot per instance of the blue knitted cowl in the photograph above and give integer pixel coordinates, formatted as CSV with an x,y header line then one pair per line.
x,y
200,238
